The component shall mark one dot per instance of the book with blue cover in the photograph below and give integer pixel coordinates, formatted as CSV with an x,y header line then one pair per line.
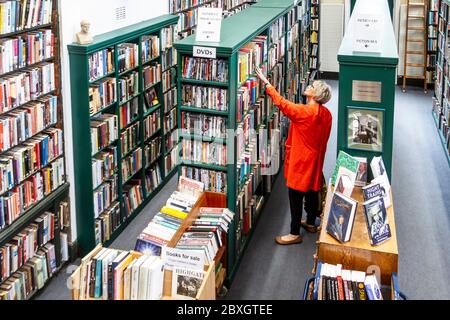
x,y
377,221
341,217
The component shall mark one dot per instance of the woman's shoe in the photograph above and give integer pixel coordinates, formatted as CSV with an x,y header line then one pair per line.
x,y
292,240
309,228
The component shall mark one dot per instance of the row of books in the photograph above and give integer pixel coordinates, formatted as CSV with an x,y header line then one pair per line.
x,y
170,99
332,282
168,36
102,94
104,131
152,74
152,151
21,88
204,152
247,96
152,123
21,162
104,166
214,181
24,246
252,54
107,223
129,112
128,87
131,164
277,30
150,48
204,125
205,97
133,196
130,138
23,123
205,69
31,191
171,160
127,56
169,79
169,58
105,195
24,14
21,51
153,178
352,171
101,63
170,121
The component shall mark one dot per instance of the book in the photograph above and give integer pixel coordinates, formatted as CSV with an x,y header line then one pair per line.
x,y
385,187
344,185
347,162
341,217
377,221
362,175
373,288
186,283
378,167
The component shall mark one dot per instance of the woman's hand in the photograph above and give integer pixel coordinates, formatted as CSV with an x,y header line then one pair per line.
x,y
261,76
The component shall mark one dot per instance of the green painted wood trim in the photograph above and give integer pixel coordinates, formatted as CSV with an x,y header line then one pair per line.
x,y
124,35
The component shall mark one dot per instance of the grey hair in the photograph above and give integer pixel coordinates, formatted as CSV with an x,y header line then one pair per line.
x,y
322,92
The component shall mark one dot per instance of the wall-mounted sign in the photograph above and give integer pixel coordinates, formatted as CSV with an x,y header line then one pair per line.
x,y
366,91
205,52
209,24
368,33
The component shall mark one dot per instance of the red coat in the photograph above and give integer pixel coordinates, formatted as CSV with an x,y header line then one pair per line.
x,y
306,144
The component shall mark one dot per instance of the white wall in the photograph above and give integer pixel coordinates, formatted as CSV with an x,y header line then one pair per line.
x,y
101,14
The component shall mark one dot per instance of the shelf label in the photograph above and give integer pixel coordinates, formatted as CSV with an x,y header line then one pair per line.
x,y
368,33
209,24
205,52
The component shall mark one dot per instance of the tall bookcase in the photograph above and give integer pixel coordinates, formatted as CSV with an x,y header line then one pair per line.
x,y
432,41
138,171
248,183
314,61
32,160
441,109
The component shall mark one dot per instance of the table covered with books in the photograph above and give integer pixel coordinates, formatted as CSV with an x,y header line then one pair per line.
x,y
358,253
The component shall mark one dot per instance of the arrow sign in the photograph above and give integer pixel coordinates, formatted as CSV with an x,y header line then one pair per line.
x,y
368,30
209,24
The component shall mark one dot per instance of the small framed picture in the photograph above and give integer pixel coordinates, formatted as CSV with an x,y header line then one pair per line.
x,y
365,129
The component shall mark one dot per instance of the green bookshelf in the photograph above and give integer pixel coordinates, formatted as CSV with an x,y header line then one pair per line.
x,y
237,31
81,118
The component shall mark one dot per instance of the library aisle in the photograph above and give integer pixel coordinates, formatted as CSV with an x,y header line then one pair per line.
x,y
421,175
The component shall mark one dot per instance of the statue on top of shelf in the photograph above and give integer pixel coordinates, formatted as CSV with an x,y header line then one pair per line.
x,y
84,36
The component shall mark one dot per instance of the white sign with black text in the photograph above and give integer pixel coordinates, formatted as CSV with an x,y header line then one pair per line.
x,y
368,33
204,52
191,259
209,24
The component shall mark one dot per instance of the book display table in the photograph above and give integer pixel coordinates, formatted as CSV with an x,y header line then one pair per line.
x,y
359,254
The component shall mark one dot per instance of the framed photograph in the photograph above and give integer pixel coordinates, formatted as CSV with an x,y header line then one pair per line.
x,y
365,129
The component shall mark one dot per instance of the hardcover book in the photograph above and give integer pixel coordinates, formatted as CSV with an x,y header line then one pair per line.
x,y
341,217
377,221
361,176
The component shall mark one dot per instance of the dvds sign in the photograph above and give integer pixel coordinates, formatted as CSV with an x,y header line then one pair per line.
x,y
205,52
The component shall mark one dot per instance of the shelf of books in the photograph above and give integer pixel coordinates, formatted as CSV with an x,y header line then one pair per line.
x,y
33,181
441,108
188,11
432,42
230,132
358,239
314,63
124,93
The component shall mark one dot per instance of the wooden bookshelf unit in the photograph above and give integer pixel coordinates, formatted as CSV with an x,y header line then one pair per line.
x,y
358,254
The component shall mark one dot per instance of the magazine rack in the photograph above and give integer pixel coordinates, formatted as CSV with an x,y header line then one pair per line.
x,y
359,254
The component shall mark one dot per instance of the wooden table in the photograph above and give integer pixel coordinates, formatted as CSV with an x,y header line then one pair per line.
x,y
359,254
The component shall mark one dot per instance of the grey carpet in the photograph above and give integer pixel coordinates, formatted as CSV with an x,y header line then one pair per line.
x,y
421,197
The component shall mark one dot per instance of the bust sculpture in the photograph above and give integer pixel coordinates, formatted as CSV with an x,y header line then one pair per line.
x,y
84,36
